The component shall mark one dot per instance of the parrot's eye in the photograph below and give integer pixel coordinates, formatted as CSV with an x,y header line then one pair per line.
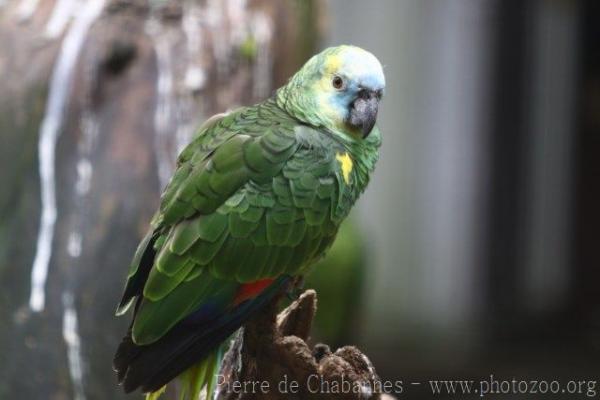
x,y
337,82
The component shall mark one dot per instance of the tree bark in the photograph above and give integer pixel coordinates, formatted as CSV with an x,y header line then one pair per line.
x,y
137,79
270,359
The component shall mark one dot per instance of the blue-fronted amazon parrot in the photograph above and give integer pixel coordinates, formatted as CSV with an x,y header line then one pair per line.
x,y
257,198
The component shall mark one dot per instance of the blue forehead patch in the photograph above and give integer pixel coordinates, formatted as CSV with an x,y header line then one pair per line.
x,y
361,67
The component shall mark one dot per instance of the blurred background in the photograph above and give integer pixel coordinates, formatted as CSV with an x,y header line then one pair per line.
x,y
475,250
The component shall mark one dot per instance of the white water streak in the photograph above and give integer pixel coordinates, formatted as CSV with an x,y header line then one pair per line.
x,y
237,14
261,74
84,176
213,17
183,136
26,10
195,77
74,244
62,12
89,131
163,114
60,87
70,332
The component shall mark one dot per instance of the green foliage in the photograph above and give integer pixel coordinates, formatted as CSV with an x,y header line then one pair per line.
x,y
249,48
339,282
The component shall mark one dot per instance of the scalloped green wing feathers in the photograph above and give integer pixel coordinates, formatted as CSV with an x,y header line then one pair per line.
x,y
249,201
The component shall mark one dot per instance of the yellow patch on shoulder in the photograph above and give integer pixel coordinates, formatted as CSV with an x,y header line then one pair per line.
x,y
347,164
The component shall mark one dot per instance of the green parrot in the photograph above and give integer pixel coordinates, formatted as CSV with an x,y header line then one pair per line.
x,y
257,198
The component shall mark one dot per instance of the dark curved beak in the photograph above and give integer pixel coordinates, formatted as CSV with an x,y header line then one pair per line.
x,y
363,113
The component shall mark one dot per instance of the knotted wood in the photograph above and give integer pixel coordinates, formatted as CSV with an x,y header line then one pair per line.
x,y
271,358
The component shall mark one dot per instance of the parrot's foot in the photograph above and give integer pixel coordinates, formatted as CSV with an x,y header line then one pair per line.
x,y
293,295
274,346
296,289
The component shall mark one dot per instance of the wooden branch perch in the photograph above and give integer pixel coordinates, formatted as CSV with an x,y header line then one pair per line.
x,y
270,359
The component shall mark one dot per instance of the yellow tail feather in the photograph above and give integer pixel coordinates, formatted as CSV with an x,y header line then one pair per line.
x,y
156,395
200,376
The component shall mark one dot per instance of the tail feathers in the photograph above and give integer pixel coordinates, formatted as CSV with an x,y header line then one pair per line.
x,y
212,372
156,395
126,352
139,270
152,366
202,375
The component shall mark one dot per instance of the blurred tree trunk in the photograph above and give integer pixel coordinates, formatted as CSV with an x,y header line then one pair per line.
x,y
143,76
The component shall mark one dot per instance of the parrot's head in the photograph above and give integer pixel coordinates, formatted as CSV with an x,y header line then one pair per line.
x,y
339,89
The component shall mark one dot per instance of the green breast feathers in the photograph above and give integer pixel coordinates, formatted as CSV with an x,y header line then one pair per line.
x,y
273,191
276,193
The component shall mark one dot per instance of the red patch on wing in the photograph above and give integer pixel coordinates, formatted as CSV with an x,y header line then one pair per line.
x,y
251,290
